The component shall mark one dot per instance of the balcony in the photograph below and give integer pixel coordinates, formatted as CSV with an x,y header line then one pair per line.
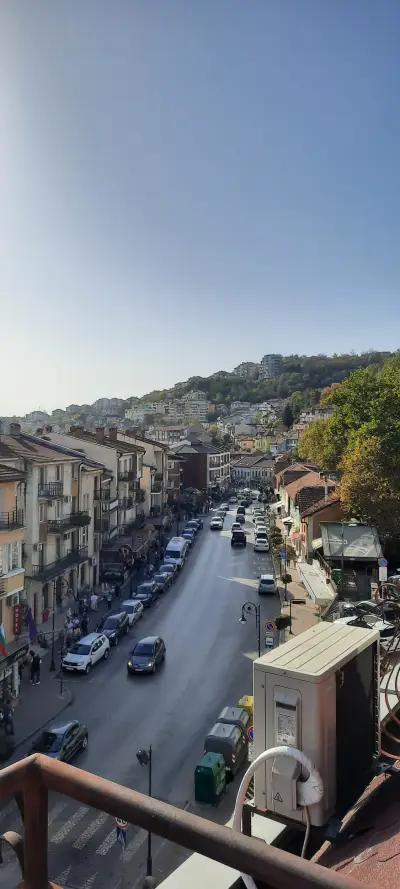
x,y
31,780
126,503
10,520
51,490
101,525
102,494
73,520
53,569
129,476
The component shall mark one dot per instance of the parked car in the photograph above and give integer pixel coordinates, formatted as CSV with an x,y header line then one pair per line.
x,y
216,524
267,585
87,652
168,568
241,510
233,501
189,535
146,655
147,593
193,525
62,742
163,581
241,518
176,551
261,544
133,609
114,626
238,538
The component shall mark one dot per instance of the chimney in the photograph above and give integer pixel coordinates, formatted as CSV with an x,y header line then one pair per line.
x,y
48,428
100,434
15,428
113,433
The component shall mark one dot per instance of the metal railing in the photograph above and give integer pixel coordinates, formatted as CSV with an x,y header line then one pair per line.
x,y
128,476
53,569
126,503
50,490
10,520
30,780
73,520
102,494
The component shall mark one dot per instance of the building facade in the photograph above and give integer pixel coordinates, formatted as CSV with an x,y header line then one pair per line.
x,y
271,366
12,536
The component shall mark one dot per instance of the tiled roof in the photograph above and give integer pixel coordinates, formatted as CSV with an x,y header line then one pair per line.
x,y
29,447
123,446
10,474
250,460
320,504
308,480
153,441
294,467
368,846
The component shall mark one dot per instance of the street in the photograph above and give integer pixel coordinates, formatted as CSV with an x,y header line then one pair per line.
x,y
208,665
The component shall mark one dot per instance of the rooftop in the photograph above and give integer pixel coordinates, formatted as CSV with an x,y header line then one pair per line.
x,y
30,447
357,541
318,505
310,479
9,474
123,447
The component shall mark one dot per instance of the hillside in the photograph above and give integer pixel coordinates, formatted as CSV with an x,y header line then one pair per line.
x,y
306,375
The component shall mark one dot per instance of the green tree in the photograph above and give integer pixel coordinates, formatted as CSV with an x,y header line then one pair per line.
x,y
287,416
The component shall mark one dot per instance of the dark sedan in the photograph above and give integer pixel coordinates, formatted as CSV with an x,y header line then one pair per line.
x,y
163,580
146,655
168,568
189,535
147,593
114,626
62,742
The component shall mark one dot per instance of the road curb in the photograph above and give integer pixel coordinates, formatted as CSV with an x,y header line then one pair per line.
x,y
68,698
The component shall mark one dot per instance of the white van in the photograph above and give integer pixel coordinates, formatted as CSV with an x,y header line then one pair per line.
x,y
176,551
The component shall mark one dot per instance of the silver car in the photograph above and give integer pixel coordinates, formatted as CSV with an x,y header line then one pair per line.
x,y
134,610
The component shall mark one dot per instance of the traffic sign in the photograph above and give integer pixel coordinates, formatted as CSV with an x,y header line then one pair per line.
x,y
383,563
269,641
270,626
123,825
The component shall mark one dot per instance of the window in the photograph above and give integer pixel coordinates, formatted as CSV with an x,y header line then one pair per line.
x,y
58,473
75,470
15,555
2,560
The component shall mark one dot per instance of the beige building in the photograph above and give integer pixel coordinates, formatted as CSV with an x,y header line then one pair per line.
x,y
12,535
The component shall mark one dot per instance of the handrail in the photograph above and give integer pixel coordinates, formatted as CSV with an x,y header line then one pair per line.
x,y
37,774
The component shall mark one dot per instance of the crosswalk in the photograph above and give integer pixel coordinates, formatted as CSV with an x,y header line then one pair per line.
x,y
81,840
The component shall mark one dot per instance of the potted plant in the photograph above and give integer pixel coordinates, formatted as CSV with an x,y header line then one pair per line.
x,y
282,623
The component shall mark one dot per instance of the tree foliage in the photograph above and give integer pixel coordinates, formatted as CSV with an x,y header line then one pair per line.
x,y
287,416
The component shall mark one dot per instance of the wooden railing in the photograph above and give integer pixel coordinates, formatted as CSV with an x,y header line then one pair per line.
x,y
31,779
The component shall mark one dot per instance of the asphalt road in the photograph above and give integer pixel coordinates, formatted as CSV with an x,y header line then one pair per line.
x,y
208,665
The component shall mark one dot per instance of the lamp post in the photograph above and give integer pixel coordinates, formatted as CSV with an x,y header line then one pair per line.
x,y
287,523
52,662
248,608
145,759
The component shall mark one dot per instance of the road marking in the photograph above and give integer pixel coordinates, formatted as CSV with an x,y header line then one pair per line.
x,y
62,878
90,881
135,844
69,825
55,812
90,831
107,843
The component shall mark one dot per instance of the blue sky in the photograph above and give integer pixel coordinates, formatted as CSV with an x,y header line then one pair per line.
x,y
186,184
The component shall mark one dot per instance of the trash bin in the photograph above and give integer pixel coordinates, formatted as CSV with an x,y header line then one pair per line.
x,y
247,702
210,779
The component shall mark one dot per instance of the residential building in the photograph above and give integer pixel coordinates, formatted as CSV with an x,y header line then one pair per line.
x,y
328,509
247,370
175,476
206,468
56,552
263,441
12,536
245,441
166,434
252,469
317,413
156,458
314,488
270,366
195,404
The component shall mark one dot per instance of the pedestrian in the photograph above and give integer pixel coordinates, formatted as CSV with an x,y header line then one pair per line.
x,y
117,590
93,601
35,668
84,625
109,600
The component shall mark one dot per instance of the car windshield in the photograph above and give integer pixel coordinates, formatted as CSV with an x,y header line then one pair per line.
x,y
167,569
173,554
110,623
49,742
159,578
129,608
145,588
266,582
78,648
143,648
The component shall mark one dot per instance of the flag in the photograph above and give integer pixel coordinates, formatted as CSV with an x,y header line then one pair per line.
x,y
32,628
3,647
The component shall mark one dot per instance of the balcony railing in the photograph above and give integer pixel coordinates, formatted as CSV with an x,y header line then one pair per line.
x,y
32,779
73,520
51,490
103,494
126,503
53,569
128,476
10,520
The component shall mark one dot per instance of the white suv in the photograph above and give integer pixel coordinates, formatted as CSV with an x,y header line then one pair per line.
x,y
85,653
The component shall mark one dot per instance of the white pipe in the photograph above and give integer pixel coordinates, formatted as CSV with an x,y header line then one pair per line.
x,y
314,794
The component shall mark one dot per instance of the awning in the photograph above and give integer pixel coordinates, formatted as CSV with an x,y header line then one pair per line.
x,y
317,543
274,506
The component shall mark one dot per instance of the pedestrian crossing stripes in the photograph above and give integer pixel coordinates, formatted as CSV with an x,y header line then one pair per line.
x,y
135,844
69,825
56,810
107,843
90,831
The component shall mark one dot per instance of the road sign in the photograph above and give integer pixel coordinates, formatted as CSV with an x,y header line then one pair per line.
x,y
383,563
270,626
121,828
283,555
269,641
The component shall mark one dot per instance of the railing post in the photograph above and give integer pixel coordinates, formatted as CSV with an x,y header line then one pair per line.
x,y
35,835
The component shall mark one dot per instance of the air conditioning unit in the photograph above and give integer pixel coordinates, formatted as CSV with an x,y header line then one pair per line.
x,y
319,692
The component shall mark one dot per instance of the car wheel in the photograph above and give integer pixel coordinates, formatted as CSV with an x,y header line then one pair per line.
x,y
106,654
87,669
154,668
85,742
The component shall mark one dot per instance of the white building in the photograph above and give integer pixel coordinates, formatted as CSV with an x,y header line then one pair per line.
x,y
271,366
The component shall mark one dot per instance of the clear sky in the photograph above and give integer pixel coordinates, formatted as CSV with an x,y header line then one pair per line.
x,y
187,184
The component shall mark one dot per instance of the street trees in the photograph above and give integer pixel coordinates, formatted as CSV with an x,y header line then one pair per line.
x,y
287,416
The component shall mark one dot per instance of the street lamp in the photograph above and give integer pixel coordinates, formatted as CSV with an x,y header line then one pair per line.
x,y
144,757
52,662
350,524
287,523
248,608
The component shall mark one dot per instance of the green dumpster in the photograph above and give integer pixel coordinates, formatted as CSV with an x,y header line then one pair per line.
x,y
210,778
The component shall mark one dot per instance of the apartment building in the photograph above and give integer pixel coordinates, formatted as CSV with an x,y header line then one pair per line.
x,y
270,366
175,476
12,535
166,434
195,404
252,469
205,467
156,460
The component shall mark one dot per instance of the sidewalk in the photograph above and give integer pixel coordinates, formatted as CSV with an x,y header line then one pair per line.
x,y
303,616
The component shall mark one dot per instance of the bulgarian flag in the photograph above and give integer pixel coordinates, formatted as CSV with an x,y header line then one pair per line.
x,y
3,647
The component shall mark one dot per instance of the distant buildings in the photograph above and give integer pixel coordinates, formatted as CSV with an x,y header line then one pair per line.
x,y
247,370
204,467
271,366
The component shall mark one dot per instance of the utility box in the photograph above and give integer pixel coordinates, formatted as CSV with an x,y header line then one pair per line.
x,y
318,692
